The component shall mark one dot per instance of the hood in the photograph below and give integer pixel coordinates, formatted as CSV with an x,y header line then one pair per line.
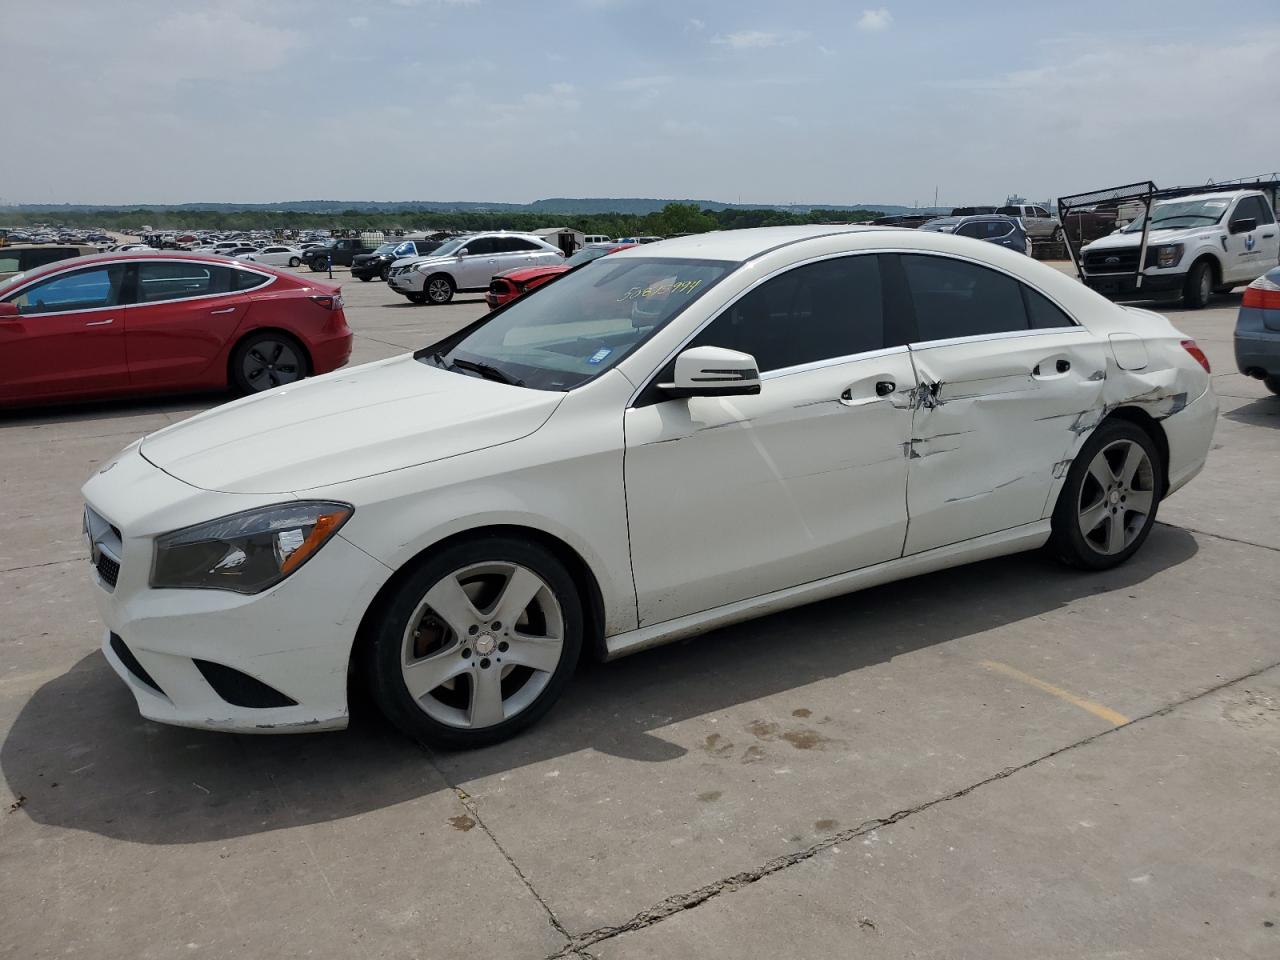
x,y
524,274
429,258
353,423
1124,241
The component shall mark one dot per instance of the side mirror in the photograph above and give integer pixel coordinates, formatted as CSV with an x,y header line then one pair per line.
x,y
8,311
713,372
1244,224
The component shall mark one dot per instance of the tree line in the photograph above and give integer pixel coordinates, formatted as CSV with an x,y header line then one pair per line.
x,y
672,219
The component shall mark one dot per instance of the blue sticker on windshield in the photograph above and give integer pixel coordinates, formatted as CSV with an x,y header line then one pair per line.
x,y
599,355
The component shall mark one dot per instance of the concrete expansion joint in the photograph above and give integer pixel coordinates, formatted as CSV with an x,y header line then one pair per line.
x,y
1219,536
473,810
681,902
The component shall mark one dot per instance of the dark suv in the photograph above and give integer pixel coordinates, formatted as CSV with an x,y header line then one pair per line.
x,y
343,252
366,266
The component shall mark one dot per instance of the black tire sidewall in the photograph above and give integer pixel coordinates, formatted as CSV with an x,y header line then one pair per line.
x,y
426,287
1191,294
1067,542
238,381
386,681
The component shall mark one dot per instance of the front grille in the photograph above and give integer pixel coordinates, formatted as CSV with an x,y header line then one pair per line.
x,y
1111,261
131,663
108,569
240,689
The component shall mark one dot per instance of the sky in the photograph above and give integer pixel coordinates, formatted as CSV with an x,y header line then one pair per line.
x,y
758,101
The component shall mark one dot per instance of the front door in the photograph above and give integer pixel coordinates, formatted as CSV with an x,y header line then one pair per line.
x,y
478,264
730,498
1250,253
68,337
1006,381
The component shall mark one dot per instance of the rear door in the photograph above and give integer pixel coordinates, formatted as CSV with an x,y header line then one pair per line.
x,y
184,313
1006,379
68,339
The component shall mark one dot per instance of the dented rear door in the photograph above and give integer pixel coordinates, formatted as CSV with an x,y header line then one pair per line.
x,y
994,411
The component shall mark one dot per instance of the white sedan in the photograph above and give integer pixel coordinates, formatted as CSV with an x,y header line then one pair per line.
x,y
666,440
275,256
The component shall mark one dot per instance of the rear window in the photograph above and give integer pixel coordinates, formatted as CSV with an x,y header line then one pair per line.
x,y
247,280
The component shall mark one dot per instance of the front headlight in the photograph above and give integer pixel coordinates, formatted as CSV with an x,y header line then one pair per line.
x,y
1169,256
246,552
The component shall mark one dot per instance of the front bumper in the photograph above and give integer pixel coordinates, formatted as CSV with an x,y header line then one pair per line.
x,y
1124,286
295,638
410,282
370,270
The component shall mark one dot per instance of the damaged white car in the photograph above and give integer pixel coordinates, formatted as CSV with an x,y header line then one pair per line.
x,y
669,439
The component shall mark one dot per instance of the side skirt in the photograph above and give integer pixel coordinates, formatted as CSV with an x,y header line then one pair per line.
x,y
1027,537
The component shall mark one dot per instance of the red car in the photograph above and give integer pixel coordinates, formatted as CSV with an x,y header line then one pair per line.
x,y
509,284
122,323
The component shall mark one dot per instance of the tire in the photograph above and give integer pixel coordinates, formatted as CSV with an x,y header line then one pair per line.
x,y
1056,236
318,266
384,274
415,646
1199,286
364,279
1272,383
295,262
417,297
438,289
279,357
1097,488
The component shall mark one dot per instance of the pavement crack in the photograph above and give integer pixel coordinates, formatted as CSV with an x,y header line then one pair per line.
x,y
49,563
473,810
681,902
1220,536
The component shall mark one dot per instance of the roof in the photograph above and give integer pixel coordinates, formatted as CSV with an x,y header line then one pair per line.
x,y
131,255
739,245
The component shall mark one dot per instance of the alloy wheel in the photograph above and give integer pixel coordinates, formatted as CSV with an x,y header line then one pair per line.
x,y
481,645
1116,497
271,363
439,290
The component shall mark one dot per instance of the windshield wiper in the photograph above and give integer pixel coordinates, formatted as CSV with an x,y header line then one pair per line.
x,y
489,372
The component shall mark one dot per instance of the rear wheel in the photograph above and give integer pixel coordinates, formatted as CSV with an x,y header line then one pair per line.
x,y
477,643
1199,286
294,261
265,360
1109,501
1272,383
365,279
318,265
438,289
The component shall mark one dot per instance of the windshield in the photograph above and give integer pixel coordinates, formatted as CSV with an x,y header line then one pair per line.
x,y
449,247
940,223
385,249
586,255
1183,213
567,332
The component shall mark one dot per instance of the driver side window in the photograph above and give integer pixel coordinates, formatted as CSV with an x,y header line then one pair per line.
x,y
820,311
88,289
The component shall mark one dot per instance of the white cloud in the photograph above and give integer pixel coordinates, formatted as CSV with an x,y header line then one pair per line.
x,y
755,39
695,25
874,20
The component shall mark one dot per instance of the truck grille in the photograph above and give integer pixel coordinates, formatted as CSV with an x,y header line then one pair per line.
x,y
1111,261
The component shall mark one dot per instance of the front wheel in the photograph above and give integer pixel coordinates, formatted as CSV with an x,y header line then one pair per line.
x,y
295,262
1108,504
439,289
365,279
1199,286
477,643
1272,383
318,266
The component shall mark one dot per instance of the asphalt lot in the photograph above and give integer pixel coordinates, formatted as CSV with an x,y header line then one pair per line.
x,y
1004,760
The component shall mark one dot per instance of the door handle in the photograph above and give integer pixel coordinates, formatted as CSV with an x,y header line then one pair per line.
x,y
101,323
214,313
885,387
1061,366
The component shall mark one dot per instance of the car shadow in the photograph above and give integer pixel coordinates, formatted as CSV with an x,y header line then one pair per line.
x,y
131,406
83,758
1263,412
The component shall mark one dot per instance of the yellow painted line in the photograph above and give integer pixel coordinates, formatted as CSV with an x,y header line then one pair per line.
x,y
1097,709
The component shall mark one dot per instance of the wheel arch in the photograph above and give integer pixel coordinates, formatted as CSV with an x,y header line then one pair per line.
x,y
589,585
1215,265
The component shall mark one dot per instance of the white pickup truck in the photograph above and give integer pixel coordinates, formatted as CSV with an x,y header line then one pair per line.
x,y
1196,245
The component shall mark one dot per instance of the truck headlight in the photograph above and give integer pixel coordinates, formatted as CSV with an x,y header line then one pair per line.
x,y
246,552
1169,255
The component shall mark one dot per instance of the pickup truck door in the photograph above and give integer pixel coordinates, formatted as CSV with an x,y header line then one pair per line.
x,y
1250,253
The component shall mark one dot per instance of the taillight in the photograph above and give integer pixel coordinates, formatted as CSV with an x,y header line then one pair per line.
x,y
1263,294
1197,353
333,302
